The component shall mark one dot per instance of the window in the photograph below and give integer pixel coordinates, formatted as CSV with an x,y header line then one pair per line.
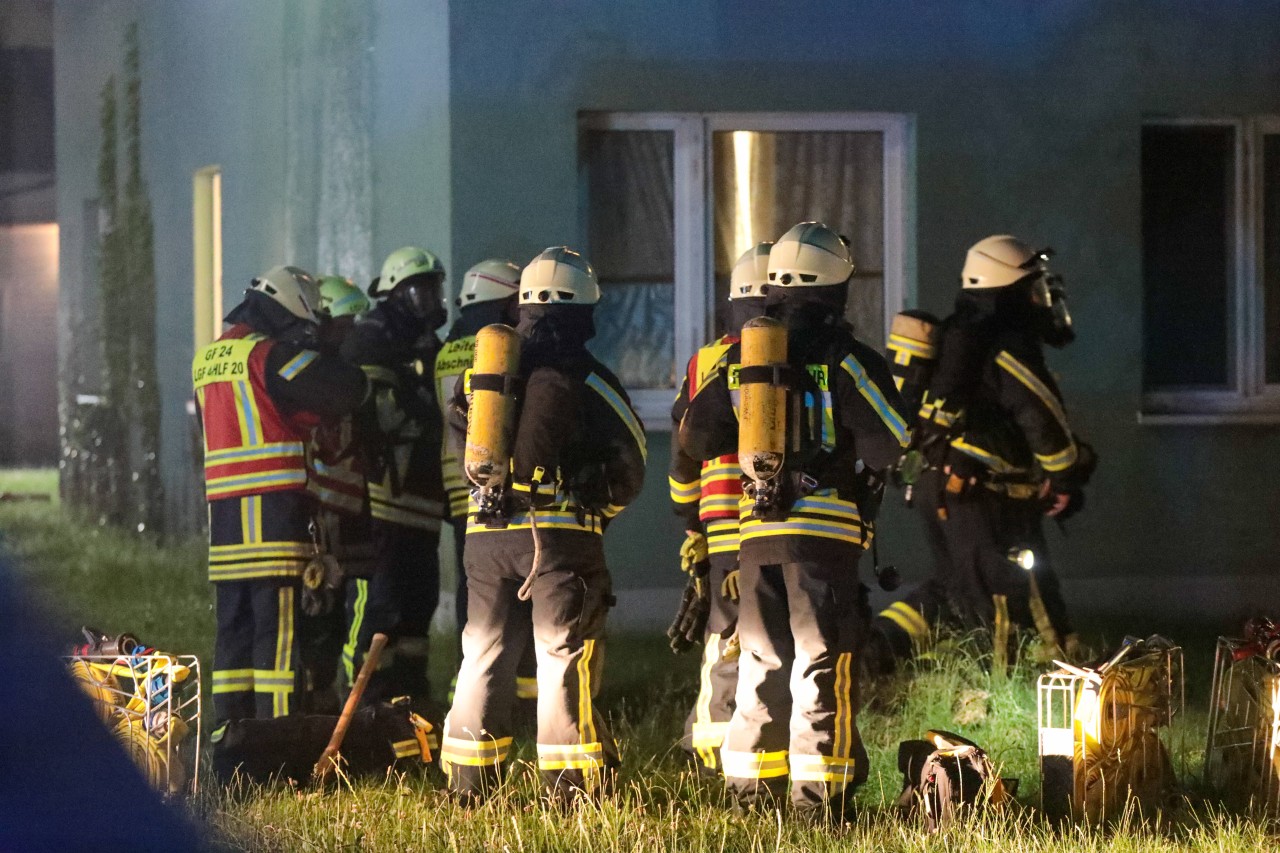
x,y
1211,270
206,238
672,199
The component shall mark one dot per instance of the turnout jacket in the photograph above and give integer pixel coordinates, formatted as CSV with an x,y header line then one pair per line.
x,y
849,393
705,494
259,400
578,455
998,405
401,428
455,358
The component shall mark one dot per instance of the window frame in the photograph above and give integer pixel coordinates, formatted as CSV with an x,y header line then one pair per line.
x,y
693,202
206,255
1247,398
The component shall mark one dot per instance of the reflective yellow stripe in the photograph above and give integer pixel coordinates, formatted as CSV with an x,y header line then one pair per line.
x,y
1027,377
684,493
486,746
407,748
526,688
623,411
474,753
263,550
253,453
297,364
1060,461
702,707
908,619
586,756
586,720
232,680
217,487
284,650
991,460
709,735
353,635
254,571
822,768
754,765
871,392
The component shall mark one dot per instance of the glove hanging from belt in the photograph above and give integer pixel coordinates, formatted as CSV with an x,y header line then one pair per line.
x,y
695,602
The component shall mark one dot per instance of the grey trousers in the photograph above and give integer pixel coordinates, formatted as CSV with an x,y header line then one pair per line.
x,y
800,627
705,727
571,596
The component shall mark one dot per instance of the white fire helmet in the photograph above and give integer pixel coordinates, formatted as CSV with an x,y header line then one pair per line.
x,y
294,288
750,272
809,255
489,281
559,276
999,261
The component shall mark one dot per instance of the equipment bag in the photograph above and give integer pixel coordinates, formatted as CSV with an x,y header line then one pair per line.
x,y
945,772
286,748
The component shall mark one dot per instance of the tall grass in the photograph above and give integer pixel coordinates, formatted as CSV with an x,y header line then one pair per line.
x,y
84,574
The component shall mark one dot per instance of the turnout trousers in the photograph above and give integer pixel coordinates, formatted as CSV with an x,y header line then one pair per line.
x,y
527,670
571,596
971,547
400,600
257,671
258,546
705,727
799,625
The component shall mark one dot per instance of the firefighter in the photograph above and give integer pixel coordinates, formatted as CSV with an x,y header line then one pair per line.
x,y
802,608
334,592
576,460
706,497
260,389
1002,456
401,430
488,295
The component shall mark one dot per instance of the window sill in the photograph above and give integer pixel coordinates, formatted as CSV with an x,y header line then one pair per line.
x,y
1209,408
653,405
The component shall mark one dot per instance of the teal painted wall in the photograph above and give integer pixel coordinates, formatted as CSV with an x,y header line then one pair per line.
x,y
329,119
1027,120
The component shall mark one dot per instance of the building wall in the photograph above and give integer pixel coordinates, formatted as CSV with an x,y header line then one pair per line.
x,y
327,159
1027,120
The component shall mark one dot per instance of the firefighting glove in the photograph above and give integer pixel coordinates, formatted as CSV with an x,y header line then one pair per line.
x,y
729,586
691,619
963,473
693,555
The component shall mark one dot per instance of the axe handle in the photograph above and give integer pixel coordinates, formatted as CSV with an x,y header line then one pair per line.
x,y
328,759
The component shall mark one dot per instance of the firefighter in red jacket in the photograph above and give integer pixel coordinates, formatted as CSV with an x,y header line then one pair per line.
x,y
706,497
261,388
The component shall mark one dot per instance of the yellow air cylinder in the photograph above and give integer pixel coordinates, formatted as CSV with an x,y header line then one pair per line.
x,y
491,420
762,424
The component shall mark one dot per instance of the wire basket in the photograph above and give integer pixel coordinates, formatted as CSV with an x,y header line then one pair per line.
x,y
1242,755
150,702
1100,732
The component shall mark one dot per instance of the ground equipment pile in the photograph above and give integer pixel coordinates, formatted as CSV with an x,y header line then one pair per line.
x,y
1100,727
149,700
1242,756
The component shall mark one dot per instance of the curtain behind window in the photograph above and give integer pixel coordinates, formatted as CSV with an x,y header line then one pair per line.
x,y
831,177
631,234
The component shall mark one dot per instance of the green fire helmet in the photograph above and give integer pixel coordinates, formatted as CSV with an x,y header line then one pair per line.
x,y
404,264
340,298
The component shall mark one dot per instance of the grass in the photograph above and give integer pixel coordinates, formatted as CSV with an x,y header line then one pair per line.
x,y
84,574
